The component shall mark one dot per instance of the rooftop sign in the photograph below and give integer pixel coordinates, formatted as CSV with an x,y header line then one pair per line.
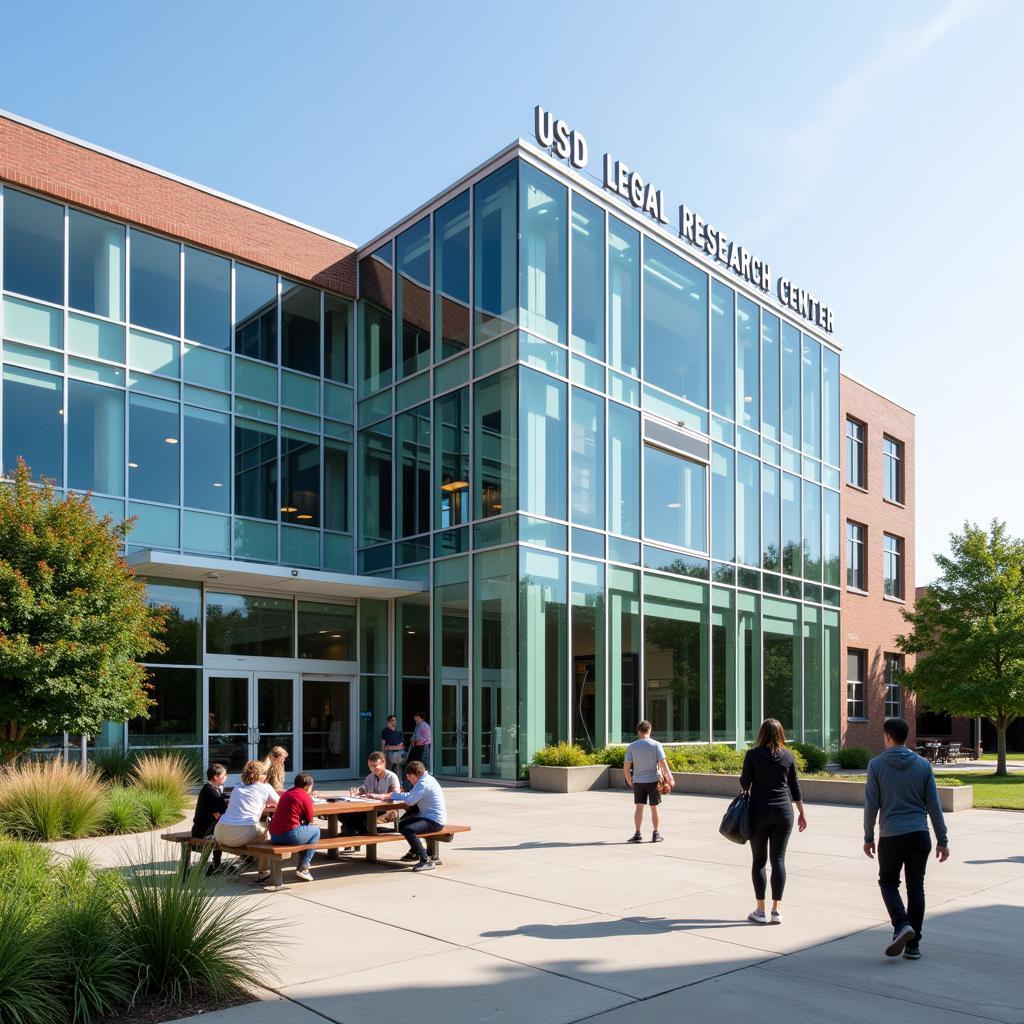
x,y
569,144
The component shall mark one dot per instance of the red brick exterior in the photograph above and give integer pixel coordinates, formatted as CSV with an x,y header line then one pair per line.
x,y
79,175
871,621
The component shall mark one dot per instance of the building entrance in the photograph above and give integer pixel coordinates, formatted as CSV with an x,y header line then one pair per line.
x,y
454,723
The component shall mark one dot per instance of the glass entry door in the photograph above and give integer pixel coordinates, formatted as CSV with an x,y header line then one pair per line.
x,y
454,723
247,714
328,727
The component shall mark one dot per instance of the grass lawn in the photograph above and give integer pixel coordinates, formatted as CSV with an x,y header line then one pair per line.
x,y
990,790
1010,756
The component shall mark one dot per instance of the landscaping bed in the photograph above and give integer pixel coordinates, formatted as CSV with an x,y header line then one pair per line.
x,y
1004,792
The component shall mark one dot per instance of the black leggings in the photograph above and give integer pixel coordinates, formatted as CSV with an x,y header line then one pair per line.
x,y
770,828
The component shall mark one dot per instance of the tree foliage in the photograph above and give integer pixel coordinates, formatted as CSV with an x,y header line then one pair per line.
x,y
968,631
73,618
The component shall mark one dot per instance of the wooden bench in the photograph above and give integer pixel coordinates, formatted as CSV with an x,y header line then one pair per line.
x,y
276,855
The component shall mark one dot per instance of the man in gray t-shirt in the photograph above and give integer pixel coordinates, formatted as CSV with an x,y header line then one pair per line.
x,y
644,758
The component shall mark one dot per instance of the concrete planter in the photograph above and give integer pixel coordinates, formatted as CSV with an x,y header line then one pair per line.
x,y
819,791
549,779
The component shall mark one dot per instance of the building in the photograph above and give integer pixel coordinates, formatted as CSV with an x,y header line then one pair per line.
x,y
528,462
878,513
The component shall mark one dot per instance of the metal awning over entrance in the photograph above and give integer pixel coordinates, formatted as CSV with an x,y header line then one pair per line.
x,y
273,579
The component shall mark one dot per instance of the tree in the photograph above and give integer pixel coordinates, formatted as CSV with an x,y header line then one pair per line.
x,y
73,618
968,631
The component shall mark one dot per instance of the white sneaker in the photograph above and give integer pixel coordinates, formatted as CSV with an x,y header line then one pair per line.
x,y
304,874
776,917
757,917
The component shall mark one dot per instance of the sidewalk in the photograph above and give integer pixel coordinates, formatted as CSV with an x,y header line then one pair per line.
x,y
543,913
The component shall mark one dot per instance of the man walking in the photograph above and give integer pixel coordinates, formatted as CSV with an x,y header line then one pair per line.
x,y
901,789
644,761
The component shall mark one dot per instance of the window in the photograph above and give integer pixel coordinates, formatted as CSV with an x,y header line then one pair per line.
x,y
412,298
300,327
375,282
892,565
207,298
587,277
748,364
33,247
451,461
451,277
255,313
587,438
36,399
95,437
856,467
812,397
623,297
96,265
153,454
893,688
494,253
674,499
543,254
856,575
856,662
892,469
155,274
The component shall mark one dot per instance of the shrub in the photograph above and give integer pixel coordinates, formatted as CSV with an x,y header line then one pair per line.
x,y
613,755
125,812
853,757
158,808
27,954
25,867
814,757
170,773
183,940
562,755
715,758
114,763
48,800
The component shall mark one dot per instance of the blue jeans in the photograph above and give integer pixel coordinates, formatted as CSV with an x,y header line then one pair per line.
x,y
299,836
411,825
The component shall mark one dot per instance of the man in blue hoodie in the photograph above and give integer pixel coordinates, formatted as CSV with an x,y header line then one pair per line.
x,y
901,788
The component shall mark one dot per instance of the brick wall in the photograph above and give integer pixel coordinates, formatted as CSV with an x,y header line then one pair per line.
x,y
870,621
75,174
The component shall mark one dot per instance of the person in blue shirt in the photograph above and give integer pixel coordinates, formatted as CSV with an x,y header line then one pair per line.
x,y
427,812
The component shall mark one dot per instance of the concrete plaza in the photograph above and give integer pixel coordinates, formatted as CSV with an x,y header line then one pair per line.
x,y
543,913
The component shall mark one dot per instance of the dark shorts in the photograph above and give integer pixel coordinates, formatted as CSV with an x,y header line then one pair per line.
x,y
646,792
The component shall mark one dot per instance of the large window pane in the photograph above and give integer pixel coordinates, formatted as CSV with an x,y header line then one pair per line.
x,y
207,298
792,541
675,324
812,531
375,477
676,659
723,666
623,470
412,504
587,277
623,297
771,518
623,653
495,447
207,460
723,349
175,716
375,305
181,606
412,297
830,539
95,265
451,670
812,678
33,246
255,470
337,484
155,283
812,397
542,445
830,406
587,459
495,649
451,277
543,256
153,449
790,386
892,469
588,696
95,438
770,396
723,504
674,499
255,313
748,662
300,327
327,631
412,664
543,642
337,338
259,627
33,425
782,662
451,448
494,253
748,376
748,511
892,565
300,478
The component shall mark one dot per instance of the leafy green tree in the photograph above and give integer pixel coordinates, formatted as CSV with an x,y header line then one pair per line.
x,y
968,631
73,618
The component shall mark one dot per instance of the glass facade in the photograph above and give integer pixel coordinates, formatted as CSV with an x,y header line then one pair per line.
x,y
616,474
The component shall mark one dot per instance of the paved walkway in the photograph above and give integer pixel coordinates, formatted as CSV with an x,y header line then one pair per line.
x,y
544,914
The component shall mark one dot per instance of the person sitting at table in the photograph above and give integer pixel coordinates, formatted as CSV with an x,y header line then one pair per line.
x,y
210,805
430,812
292,823
377,783
273,763
242,823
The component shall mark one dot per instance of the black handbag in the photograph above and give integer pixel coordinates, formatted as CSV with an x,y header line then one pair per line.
x,y
736,820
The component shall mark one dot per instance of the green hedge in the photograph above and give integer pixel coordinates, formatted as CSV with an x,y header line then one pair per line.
x,y
562,755
814,757
716,758
853,757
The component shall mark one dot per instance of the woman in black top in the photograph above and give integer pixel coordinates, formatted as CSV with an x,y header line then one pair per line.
x,y
769,776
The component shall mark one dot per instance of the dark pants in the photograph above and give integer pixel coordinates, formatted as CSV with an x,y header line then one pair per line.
x,y
770,828
217,853
354,824
412,826
907,853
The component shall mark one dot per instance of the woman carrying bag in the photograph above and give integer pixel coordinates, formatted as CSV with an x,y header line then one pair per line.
x,y
769,776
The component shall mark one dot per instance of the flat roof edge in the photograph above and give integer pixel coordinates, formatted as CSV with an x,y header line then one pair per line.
x,y
875,391
187,182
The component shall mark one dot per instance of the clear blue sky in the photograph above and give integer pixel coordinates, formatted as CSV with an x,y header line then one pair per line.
x,y
873,150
